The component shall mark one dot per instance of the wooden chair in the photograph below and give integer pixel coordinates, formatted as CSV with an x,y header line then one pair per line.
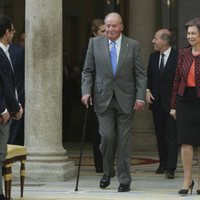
x,y
14,153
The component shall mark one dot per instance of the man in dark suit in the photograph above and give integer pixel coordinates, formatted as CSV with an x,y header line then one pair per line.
x,y
160,76
17,126
9,106
113,64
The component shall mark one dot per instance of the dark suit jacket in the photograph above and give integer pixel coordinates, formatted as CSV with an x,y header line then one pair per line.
x,y
161,85
17,57
2,100
129,83
7,85
185,59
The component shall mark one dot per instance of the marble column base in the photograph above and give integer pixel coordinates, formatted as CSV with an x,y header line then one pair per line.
x,y
48,167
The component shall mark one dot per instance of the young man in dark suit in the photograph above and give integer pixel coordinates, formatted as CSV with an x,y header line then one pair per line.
x,y
10,108
160,77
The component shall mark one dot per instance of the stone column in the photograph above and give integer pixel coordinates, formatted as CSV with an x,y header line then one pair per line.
x,y
47,160
142,25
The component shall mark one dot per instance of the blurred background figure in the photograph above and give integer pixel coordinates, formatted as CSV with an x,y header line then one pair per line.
x,y
17,55
97,29
21,39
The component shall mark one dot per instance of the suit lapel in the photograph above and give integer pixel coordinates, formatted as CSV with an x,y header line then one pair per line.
x,y
156,60
123,52
169,60
106,53
7,60
187,62
157,57
5,56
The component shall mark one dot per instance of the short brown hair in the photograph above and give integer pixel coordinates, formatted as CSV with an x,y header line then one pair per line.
x,y
193,22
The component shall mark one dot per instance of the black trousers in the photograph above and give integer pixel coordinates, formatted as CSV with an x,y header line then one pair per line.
x,y
166,135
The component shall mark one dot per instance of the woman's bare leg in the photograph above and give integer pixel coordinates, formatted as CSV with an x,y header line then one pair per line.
x,y
187,156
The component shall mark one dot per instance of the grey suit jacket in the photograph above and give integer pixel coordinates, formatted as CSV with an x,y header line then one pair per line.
x,y
128,85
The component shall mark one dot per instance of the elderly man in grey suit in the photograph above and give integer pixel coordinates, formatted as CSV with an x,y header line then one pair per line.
x,y
113,69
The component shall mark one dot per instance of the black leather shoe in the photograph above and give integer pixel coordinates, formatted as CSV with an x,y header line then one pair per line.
x,y
105,180
124,188
170,174
160,170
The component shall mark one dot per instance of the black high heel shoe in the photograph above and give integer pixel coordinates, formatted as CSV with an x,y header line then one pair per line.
x,y
198,191
185,191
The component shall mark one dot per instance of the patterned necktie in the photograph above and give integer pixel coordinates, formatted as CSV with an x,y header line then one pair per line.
x,y
162,65
113,56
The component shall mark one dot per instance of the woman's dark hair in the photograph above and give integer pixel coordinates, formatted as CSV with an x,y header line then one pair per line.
x,y
193,22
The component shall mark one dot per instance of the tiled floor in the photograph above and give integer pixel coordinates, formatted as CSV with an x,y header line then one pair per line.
x,y
145,185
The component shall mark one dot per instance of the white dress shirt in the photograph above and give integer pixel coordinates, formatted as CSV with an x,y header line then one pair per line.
x,y
167,52
117,45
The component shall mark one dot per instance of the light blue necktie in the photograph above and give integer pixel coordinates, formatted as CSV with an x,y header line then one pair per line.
x,y
113,56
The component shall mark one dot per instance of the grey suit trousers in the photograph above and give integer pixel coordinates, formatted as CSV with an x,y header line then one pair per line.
x,y
115,128
4,135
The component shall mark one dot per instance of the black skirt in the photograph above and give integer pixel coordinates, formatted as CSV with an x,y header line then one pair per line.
x,y
188,117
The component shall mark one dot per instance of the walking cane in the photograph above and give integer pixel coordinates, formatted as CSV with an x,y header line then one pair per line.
x,y
81,149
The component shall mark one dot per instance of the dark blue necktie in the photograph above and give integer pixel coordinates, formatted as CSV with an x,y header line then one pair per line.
x,y
113,56
162,65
